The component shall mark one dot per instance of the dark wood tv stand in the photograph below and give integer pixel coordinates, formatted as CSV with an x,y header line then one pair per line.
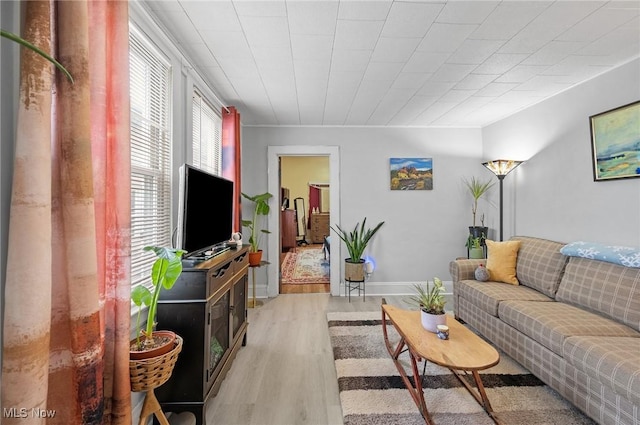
x,y
207,307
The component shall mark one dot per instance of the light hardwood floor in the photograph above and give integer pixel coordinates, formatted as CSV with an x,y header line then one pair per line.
x,y
285,374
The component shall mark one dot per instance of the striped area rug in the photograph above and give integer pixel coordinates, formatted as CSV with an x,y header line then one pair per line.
x,y
372,392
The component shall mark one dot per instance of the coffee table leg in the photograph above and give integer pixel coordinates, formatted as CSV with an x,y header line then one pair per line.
x,y
478,393
415,388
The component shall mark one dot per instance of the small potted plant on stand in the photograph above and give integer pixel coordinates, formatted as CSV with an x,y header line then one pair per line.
x,y
356,242
261,208
477,188
430,300
153,353
475,246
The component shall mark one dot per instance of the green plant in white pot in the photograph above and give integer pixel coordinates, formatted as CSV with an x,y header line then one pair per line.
x,y
356,242
260,210
430,300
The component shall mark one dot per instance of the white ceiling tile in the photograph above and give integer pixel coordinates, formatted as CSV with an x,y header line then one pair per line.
x,y
212,16
410,80
598,24
260,8
450,72
357,35
371,62
508,19
350,60
496,89
475,81
394,49
553,52
382,71
318,47
227,45
266,31
499,63
312,17
376,10
408,19
475,51
521,73
466,12
445,38
425,62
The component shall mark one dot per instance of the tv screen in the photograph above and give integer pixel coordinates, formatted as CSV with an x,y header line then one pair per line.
x,y
205,210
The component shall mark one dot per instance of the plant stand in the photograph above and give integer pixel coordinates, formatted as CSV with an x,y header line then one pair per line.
x,y
148,374
252,302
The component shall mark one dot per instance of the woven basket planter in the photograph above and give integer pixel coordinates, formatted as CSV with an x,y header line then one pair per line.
x,y
354,271
148,374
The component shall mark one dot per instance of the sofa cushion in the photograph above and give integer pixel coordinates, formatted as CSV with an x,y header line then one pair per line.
x,y
613,361
501,261
488,295
609,289
540,264
551,323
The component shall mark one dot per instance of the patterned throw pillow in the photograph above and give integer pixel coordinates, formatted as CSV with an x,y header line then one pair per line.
x,y
623,255
501,261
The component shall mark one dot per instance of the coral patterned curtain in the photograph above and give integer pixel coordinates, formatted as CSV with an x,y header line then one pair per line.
x,y
66,322
231,157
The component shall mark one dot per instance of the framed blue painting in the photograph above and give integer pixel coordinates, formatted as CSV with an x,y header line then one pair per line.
x,y
615,143
411,173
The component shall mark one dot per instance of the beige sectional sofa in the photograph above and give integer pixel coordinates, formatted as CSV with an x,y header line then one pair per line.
x,y
573,322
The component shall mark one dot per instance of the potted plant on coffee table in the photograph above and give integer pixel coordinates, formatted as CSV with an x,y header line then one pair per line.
x,y
356,242
430,300
153,353
260,210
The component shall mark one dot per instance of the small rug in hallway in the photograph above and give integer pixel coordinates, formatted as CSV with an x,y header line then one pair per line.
x,y
306,265
372,392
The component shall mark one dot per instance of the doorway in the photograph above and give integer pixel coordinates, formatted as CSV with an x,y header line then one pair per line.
x,y
275,154
304,224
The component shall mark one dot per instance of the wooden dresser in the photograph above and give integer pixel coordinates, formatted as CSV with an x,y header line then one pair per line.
x,y
319,227
288,229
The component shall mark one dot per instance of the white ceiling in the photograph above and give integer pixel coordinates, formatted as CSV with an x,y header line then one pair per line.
x,y
397,63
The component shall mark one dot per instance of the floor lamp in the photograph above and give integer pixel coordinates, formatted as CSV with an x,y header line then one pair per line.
x,y
501,167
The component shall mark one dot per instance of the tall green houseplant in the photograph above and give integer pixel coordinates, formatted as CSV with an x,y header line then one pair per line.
x,y
260,210
164,273
356,242
477,188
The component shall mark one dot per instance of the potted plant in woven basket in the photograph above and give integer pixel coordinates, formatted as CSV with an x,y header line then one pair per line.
x,y
153,353
356,242
431,302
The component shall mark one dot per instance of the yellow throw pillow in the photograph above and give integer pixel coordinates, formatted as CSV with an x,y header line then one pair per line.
x,y
501,261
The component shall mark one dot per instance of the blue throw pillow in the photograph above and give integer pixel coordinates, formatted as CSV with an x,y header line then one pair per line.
x,y
624,255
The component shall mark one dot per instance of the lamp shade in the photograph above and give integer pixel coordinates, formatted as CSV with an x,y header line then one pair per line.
x,y
501,167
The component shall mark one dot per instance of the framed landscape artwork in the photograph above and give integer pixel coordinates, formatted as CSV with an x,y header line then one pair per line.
x,y
411,173
615,143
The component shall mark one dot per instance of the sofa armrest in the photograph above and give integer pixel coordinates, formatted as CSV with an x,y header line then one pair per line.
x,y
464,269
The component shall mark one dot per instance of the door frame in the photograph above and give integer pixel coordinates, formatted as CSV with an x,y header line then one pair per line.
x,y
273,219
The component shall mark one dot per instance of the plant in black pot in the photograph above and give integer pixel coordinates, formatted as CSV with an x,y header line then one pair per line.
x,y
430,300
477,189
356,242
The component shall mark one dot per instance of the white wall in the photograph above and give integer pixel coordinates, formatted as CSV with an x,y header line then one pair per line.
x,y
553,194
424,230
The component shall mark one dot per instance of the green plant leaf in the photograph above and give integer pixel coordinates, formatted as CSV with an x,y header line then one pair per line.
x,y
140,295
37,50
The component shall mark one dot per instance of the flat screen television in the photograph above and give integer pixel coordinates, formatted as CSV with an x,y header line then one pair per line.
x,y
205,211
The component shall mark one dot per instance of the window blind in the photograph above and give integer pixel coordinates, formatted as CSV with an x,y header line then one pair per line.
x,y
207,136
150,91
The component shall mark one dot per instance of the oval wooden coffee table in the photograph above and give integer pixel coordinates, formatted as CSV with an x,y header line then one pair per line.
x,y
463,353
